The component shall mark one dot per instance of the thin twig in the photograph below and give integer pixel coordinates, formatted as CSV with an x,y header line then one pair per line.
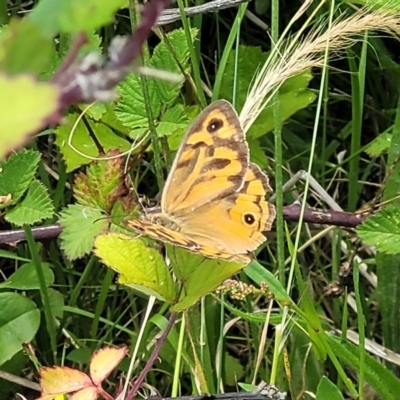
x,y
325,217
173,14
14,236
19,381
290,213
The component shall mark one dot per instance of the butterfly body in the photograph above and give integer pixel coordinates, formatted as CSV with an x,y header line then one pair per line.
x,y
213,202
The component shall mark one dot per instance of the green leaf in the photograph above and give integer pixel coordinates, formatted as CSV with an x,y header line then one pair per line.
x,y
12,256
380,145
173,120
234,370
199,275
24,107
175,60
25,48
97,111
382,230
74,15
131,109
140,266
110,119
84,149
259,274
257,153
25,277
293,95
255,316
92,45
103,183
302,359
34,207
17,173
81,225
19,322
377,375
56,300
328,390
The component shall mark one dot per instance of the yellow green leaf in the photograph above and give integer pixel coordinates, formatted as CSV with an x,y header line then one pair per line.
x,y
25,104
199,275
140,267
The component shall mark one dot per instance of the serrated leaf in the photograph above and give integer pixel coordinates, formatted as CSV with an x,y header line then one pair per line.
x,y
173,119
104,361
131,109
25,104
16,174
81,225
19,322
124,208
34,207
25,277
84,149
74,15
61,380
199,275
111,120
163,58
380,145
382,230
97,111
25,48
141,267
103,183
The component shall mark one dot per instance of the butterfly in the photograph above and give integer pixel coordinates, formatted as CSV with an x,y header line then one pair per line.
x,y
213,202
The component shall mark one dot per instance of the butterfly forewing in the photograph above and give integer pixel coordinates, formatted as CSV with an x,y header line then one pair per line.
x,y
211,162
